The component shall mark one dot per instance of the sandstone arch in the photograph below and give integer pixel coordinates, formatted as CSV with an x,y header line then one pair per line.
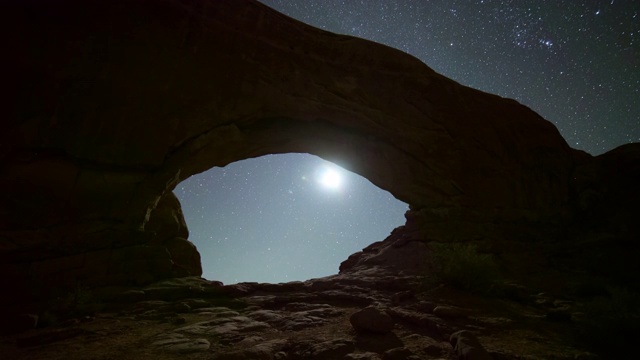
x,y
116,102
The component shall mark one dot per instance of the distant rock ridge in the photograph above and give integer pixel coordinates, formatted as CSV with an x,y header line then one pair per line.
x,y
114,103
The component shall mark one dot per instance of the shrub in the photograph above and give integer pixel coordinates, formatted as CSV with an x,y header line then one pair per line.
x,y
75,303
462,266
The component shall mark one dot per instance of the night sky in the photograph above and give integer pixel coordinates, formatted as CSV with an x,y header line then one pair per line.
x,y
280,217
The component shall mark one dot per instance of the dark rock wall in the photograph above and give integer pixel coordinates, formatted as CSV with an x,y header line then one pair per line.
x,y
605,226
113,103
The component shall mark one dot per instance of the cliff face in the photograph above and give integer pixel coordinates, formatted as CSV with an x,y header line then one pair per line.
x,y
114,103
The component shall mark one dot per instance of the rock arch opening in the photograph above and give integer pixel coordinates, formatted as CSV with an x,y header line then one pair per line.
x,y
283,217
94,147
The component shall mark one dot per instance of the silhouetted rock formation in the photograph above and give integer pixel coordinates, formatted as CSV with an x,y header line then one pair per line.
x,y
114,103
605,229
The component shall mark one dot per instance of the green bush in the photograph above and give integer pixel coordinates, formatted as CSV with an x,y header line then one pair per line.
x,y
462,266
611,323
75,303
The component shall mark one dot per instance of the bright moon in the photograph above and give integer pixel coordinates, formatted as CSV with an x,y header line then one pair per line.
x,y
330,179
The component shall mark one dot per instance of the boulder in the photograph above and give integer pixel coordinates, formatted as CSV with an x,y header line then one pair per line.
x,y
372,320
467,347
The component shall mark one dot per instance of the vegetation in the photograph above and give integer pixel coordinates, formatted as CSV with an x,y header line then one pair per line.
x,y
76,303
462,266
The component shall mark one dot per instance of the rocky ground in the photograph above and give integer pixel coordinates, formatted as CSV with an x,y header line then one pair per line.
x,y
369,314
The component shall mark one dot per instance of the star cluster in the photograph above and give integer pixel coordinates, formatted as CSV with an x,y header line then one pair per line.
x,y
577,63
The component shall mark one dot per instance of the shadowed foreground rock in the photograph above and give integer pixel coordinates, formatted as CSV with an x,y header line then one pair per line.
x,y
371,319
194,319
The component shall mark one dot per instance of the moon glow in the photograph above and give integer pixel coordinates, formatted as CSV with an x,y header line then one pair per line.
x,y
330,178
